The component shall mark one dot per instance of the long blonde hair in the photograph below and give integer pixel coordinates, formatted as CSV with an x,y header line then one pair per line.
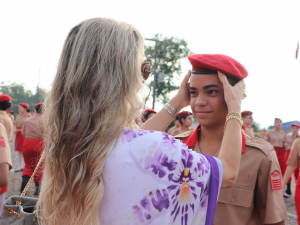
x,y
94,95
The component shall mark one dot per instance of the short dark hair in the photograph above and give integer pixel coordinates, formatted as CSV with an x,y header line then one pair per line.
x,y
5,105
39,109
232,80
27,110
177,118
183,117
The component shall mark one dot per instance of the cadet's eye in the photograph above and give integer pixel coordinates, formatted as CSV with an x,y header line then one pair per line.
x,y
193,92
211,92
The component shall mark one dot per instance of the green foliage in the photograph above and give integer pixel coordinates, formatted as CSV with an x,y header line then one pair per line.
x,y
168,59
19,93
256,127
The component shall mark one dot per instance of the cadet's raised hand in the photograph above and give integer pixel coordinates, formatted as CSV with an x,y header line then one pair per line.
x,y
233,94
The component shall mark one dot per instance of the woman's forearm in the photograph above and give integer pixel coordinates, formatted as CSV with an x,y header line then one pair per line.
x,y
230,153
161,120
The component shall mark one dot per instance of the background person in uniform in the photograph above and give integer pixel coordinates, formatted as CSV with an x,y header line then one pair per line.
x,y
288,145
5,164
177,125
11,115
98,167
277,138
186,121
293,164
19,140
262,134
147,114
33,132
247,122
256,197
5,103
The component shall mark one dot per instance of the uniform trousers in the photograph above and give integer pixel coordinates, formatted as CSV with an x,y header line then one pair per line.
x,y
297,200
296,171
280,156
32,151
19,141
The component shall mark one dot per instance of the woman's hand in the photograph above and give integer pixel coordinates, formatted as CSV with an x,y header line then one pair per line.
x,y
233,94
182,98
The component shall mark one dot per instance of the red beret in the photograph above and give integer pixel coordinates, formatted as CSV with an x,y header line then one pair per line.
x,y
11,111
211,63
24,105
5,98
148,111
41,103
246,113
185,113
295,124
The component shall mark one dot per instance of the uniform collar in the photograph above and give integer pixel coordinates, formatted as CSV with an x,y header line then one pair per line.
x,y
192,139
243,127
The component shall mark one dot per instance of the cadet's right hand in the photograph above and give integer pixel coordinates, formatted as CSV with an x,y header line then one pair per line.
x,y
183,94
233,94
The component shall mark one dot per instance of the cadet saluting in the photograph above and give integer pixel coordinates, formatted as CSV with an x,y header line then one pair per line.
x,y
256,197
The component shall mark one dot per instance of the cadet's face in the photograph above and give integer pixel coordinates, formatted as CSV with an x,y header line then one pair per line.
x,y
248,120
207,100
278,124
295,129
188,121
21,109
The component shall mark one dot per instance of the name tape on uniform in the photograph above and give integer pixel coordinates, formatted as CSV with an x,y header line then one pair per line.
x,y
275,179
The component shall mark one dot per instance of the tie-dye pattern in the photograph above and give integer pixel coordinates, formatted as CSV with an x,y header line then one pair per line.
x,y
151,178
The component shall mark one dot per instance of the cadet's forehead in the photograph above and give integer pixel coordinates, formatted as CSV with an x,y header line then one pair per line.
x,y
200,80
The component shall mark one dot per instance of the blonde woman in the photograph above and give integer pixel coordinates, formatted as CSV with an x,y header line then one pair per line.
x,y
99,169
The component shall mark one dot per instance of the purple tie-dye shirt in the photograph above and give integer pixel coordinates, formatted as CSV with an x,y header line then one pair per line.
x,y
152,178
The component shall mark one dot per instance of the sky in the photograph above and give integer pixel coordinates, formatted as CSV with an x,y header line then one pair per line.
x,y
262,35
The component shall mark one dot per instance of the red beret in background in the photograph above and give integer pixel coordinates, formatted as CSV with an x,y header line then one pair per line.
x,y
246,113
5,98
148,111
11,111
211,63
41,103
24,105
185,113
295,124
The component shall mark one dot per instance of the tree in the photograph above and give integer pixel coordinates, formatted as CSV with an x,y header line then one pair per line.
x,y
19,93
168,56
256,127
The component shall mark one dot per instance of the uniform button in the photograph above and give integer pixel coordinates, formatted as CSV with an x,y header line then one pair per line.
x,y
232,199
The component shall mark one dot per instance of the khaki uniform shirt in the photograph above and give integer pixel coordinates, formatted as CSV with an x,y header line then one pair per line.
x,y
12,117
277,139
254,198
248,131
33,127
290,140
5,156
21,119
295,154
7,123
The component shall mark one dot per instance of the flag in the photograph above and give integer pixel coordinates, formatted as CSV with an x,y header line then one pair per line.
x,y
297,49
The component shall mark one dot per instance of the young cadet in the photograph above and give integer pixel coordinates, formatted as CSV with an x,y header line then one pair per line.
x,y
256,197
33,132
247,122
186,121
5,103
147,114
293,164
290,138
277,138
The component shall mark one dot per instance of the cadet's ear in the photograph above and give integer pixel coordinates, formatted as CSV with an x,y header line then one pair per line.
x,y
232,80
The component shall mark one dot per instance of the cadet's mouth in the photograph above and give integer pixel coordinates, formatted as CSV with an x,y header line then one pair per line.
x,y
202,113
